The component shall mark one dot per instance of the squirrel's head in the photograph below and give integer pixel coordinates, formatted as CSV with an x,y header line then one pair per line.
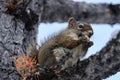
x,y
83,27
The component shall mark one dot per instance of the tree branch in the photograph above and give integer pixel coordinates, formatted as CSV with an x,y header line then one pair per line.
x,y
18,29
61,10
97,67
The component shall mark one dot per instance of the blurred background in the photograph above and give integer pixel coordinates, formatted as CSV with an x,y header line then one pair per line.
x,y
102,33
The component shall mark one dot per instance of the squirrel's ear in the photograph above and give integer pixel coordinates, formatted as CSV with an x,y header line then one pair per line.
x,y
71,22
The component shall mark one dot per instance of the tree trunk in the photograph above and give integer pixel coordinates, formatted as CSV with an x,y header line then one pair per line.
x,y
19,24
18,28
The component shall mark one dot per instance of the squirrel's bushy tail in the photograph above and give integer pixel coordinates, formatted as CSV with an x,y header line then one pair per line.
x,y
32,50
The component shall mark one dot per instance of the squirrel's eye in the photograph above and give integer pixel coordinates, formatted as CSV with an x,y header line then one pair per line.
x,y
81,26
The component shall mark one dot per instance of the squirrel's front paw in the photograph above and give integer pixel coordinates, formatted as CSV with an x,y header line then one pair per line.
x,y
85,39
89,44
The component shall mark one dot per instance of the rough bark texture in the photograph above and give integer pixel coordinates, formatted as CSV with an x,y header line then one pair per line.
x,y
61,10
97,67
18,28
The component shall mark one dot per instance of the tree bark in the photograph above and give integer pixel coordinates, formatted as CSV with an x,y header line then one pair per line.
x,y
61,10
18,28
104,63
97,67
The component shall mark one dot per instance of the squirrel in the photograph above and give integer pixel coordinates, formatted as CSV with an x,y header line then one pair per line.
x,y
71,56
75,38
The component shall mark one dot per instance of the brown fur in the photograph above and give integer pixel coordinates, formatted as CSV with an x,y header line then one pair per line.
x,y
70,38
